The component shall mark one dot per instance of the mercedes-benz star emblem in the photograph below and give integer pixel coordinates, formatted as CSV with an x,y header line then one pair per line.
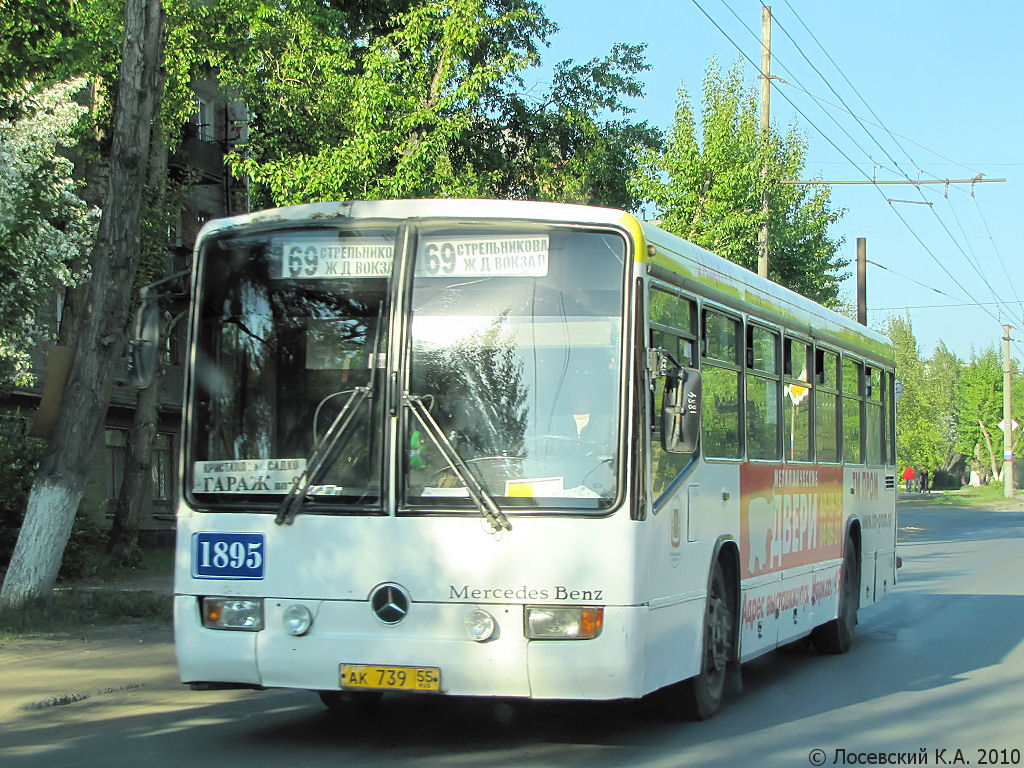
x,y
390,603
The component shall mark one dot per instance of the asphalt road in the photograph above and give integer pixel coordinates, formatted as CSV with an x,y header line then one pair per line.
x,y
937,667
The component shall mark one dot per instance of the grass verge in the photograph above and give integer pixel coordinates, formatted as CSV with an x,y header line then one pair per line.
x,y
984,497
98,601
76,609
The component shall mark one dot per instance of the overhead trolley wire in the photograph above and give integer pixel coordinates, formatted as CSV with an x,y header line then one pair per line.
x,y
892,136
999,255
845,79
849,111
890,132
793,75
977,262
905,277
838,149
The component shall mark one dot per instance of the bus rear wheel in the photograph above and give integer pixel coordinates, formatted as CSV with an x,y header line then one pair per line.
x,y
701,696
837,635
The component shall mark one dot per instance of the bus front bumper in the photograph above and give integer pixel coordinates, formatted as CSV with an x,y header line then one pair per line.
x,y
433,637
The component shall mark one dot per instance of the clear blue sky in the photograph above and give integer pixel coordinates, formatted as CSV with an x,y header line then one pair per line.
x,y
942,75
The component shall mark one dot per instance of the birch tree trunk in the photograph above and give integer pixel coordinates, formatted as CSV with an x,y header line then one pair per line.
x,y
136,494
996,471
100,337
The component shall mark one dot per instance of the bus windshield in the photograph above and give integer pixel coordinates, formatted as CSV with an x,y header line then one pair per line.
x,y
512,344
515,348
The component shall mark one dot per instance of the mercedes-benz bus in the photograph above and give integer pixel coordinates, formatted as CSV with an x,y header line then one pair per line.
x,y
517,450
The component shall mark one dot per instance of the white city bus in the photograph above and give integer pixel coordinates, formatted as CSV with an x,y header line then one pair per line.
x,y
518,450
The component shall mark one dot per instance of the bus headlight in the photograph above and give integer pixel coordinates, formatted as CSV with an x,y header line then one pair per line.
x,y
545,622
297,620
480,625
244,614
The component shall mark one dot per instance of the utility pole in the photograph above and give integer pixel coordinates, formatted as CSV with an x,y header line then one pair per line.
x,y
766,78
862,280
1007,418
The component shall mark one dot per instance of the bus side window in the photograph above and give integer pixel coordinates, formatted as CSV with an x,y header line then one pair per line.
x,y
874,433
851,385
762,393
720,367
889,407
671,327
826,406
797,401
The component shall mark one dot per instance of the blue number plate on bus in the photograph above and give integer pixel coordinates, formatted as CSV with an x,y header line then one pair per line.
x,y
227,555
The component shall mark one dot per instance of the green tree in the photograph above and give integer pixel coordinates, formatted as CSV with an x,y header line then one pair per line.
x,y
942,372
980,402
708,189
927,413
558,146
349,103
44,224
37,44
60,480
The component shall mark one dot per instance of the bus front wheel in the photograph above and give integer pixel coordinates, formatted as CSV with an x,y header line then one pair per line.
x,y
837,635
701,696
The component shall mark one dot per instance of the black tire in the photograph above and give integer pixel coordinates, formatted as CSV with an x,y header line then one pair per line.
x,y
837,635
701,696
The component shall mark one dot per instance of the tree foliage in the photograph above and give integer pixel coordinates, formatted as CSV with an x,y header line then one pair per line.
x,y
943,372
60,480
980,404
44,223
707,186
555,146
923,438
950,410
349,102
37,41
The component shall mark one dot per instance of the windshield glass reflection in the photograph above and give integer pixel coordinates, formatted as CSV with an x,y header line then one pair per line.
x,y
288,328
518,360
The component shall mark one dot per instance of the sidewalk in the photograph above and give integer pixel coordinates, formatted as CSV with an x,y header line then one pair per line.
x,y
99,663
90,663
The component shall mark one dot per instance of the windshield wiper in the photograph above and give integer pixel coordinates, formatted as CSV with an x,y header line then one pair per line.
x,y
488,507
326,451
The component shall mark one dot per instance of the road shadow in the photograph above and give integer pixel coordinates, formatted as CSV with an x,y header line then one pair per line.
x,y
897,646
939,524
931,651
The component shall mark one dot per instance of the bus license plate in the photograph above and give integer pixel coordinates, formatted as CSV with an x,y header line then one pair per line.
x,y
370,677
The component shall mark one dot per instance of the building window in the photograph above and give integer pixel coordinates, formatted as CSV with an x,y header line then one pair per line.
x,y
114,455
204,119
162,467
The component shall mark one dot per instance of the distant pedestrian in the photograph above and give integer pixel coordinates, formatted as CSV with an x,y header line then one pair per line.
x,y
908,478
924,480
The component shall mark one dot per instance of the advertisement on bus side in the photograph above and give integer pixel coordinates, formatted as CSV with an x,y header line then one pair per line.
x,y
789,516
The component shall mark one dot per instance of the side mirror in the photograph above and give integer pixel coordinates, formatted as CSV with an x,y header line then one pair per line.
x,y
143,349
680,410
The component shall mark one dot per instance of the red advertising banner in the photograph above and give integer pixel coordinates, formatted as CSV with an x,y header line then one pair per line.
x,y
789,516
